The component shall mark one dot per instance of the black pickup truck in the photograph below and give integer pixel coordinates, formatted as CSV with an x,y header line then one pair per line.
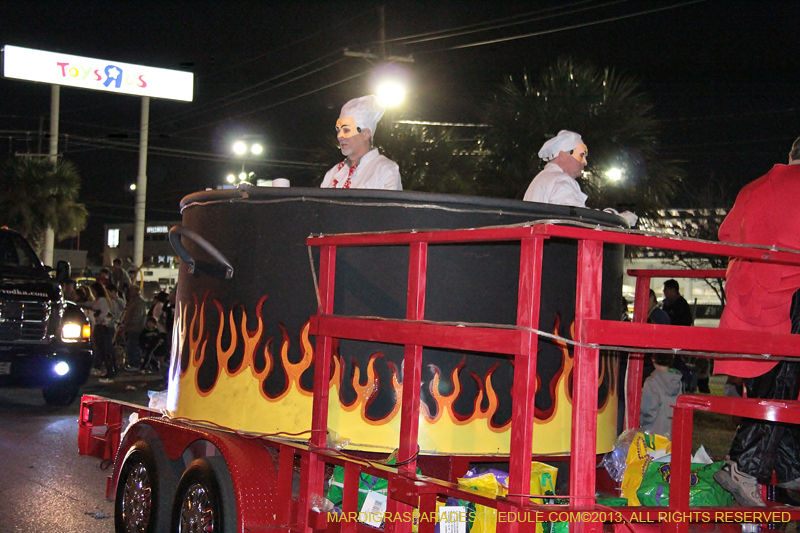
x,y
44,339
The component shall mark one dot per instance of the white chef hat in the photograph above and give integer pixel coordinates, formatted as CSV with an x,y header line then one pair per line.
x,y
563,142
366,111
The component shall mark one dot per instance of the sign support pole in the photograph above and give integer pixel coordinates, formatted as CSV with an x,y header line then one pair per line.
x,y
141,186
55,100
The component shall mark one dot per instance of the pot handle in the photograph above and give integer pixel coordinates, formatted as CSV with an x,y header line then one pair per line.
x,y
175,234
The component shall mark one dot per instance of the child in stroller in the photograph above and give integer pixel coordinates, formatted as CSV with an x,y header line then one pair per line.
x,y
150,342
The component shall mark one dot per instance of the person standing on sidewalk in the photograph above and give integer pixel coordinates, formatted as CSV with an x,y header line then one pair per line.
x,y
132,324
101,330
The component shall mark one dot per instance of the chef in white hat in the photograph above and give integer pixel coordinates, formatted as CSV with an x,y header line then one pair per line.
x,y
566,158
363,167
556,184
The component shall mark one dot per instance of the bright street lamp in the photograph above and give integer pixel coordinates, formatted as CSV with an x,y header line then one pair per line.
x,y
239,148
614,174
391,92
243,148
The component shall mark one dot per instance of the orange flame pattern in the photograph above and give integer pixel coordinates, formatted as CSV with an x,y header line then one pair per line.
x,y
444,403
194,339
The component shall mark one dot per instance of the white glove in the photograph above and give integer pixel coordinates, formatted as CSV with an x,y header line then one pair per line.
x,y
629,216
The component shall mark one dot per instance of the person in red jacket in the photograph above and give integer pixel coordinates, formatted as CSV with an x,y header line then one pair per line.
x,y
764,297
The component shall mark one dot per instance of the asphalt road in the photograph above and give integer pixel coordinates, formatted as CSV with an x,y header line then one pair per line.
x,y
45,486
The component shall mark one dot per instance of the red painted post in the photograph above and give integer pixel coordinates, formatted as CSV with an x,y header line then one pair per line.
x,y
524,387
633,384
584,389
285,474
412,377
352,477
322,375
680,468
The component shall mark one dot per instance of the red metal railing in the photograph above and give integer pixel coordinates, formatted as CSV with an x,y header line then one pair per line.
x,y
633,391
405,488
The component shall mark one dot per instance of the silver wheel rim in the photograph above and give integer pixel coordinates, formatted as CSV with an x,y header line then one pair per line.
x,y
197,516
137,500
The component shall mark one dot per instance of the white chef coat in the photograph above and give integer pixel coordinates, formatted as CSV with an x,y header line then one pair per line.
x,y
374,171
554,186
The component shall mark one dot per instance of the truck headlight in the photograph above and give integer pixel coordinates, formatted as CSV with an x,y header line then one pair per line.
x,y
72,332
61,368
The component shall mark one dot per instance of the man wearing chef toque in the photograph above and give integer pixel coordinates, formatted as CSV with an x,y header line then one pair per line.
x,y
363,167
566,155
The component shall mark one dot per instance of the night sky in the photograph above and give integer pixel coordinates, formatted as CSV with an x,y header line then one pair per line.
x,y
724,78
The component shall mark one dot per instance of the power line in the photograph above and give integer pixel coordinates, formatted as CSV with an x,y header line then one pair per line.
x,y
456,32
228,99
349,21
564,28
103,144
264,108
730,115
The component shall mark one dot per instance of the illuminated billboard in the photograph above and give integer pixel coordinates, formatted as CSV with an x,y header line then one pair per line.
x,y
99,74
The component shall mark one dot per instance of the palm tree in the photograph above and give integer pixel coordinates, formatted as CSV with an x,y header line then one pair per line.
x,y
431,159
607,109
36,193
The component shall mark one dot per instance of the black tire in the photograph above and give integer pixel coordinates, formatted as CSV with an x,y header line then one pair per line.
x,y
144,492
205,496
60,395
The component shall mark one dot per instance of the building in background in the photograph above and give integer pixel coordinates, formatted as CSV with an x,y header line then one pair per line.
x,y
160,262
700,223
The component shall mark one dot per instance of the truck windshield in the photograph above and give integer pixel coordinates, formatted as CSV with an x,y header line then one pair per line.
x,y
15,251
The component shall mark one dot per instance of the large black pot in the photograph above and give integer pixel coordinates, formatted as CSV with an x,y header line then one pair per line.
x,y
264,383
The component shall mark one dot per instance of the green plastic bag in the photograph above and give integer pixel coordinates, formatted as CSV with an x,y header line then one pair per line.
x,y
548,485
704,490
366,484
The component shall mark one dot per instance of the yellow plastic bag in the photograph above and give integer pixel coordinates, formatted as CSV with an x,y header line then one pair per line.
x,y
485,518
644,448
543,480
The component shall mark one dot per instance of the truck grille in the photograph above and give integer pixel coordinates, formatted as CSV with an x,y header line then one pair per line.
x,y
23,321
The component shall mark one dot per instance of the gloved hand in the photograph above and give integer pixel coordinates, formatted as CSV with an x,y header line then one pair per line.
x,y
629,216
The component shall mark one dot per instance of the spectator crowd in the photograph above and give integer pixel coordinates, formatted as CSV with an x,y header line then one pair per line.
x,y
128,332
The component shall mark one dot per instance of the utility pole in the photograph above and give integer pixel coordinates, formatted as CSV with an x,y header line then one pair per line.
x,y
382,37
382,15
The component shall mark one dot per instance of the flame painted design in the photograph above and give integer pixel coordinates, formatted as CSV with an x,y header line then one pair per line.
x,y
194,341
444,403
239,351
366,393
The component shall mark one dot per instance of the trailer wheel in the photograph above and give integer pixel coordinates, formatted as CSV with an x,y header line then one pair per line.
x,y
204,501
144,490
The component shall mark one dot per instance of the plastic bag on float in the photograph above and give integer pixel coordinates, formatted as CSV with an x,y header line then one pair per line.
x,y
644,448
704,490
483,519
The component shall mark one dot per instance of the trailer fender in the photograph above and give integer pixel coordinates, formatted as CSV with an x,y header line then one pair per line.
x,y
252,469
